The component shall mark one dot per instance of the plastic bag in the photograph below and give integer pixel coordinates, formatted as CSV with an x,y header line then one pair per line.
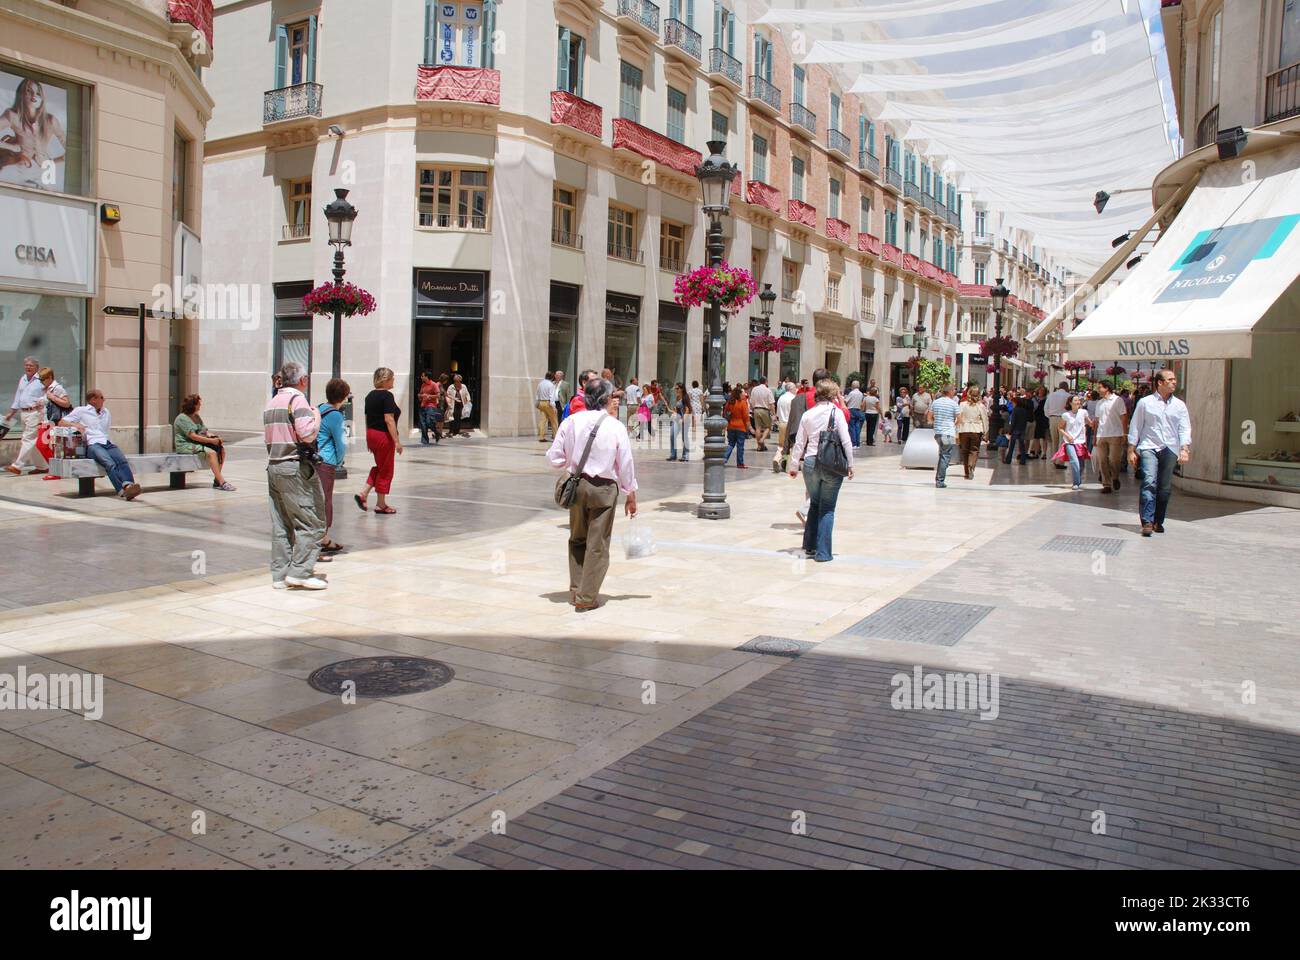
x,y
640,540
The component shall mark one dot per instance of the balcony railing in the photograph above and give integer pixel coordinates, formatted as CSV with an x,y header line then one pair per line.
x,y
762,195
799,212
461,84
629,135
893,179
296,231
292,103
642,13
981,240
454,221
565,239
912,192
723,64
765,93
801,116
954,217
679,35
869,162
674,265
1208,129
573,111
839,143
1282,94
628,254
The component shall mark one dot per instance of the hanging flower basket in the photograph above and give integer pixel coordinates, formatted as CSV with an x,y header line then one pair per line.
x,y
348,299
765,343
1078,366
1039,375
1115,371
1000,347
992,368
913,362
732,287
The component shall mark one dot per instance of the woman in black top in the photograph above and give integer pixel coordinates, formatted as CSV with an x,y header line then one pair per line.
x,y
382,439
1042,431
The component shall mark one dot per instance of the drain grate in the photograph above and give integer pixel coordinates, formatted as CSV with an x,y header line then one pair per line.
x,y
1106,545
935,622
776,646
381,676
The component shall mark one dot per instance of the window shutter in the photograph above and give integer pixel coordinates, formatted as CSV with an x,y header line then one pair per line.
x,y
562,73
281,54
717,24
311,49
690,13
767,56
430,32
580,44
485,43
731,36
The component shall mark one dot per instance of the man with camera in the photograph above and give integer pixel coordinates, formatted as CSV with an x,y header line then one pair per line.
x,y
297,501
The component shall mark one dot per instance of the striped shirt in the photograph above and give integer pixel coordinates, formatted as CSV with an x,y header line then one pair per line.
x,y
945,411
288,420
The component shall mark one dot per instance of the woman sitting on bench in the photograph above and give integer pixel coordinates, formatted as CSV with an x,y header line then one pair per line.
x,y
192,437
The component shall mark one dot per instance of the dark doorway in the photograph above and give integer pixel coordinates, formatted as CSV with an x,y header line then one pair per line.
x,y
452,346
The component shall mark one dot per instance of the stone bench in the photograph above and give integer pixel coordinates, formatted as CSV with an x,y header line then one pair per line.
x,y
86,471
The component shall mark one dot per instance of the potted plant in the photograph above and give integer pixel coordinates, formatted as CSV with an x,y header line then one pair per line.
x,y
765,343
346,298
732,287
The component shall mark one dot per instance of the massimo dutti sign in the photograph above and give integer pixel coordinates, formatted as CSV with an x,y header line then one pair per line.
x,y
459,288
620,308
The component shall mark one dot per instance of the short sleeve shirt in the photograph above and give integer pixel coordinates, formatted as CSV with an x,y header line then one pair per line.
x,y
378,403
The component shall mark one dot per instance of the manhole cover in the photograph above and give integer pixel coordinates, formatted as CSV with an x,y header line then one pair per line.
x,y
1106,545
920,621
776,646
382,676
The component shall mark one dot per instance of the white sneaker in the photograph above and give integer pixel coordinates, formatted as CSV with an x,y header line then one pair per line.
x,y
1077,488
279,585
310,583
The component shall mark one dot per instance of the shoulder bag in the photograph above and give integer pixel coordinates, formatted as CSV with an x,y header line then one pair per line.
x,y
566,487
832,459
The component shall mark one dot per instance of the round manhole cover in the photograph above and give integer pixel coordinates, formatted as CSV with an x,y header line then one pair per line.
x,y
777,645
382,676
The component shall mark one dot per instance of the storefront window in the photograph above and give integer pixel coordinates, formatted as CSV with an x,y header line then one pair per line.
x,y
562,340
790,356
43,131
1264,415
622,331
671,366
51,329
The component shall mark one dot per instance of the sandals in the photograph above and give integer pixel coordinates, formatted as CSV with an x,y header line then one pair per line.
x,y
360,503
384,510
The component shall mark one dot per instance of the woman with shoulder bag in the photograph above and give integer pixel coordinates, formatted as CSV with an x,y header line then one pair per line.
x,y
823,430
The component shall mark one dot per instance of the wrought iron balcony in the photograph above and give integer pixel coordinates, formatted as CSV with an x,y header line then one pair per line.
x,y
565,239
837,142
869,163
764,94
573,111
1282,94
1208,129
678,35
629,254
674,265
912,192
893,179
724,66
454,221
292,103
981,240
954,217
296,231
640,14
803,118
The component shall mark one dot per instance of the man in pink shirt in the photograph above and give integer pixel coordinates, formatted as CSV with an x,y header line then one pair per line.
x,y
594,444
290,424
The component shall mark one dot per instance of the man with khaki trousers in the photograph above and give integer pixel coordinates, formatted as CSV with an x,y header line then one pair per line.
x,y
595,445
547,396
1112,434
29,402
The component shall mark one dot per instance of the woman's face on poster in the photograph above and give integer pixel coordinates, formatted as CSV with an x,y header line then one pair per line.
x,y
33,98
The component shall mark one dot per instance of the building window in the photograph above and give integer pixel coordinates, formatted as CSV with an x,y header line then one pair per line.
x,y
180,177
1208,63
891,228
760,159
295,53
789,279
798,84
835,112
453,199
1290,52
629,92
724,28
564,216
835,198
864,211
297,198
925,244
676,115
833,293
907,237
454,32
981,274
719,127
981,220
622,233
762,56
796,178
672,246
571,61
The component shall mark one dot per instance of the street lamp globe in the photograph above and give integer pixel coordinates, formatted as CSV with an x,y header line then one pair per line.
x,y
999,295
340,215
716,175
767,302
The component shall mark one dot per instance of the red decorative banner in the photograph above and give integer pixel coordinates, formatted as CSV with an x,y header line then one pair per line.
x,y
197,13
463,84
837,229
800,212
573,111
892,254
911,263
761,195
655,146
869,244
929,270
975,290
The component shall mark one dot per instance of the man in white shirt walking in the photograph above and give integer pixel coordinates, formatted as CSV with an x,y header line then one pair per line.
x,y
856,415
1112,428
94,421
762,403
596,446
1058,401
1159,436
29,403
632,397
547,398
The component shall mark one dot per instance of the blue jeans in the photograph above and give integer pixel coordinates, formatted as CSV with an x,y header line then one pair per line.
x,y
108,456
946,446
736,441
1017,439
430,417
682,425
1076,467
823,492
1157,483
856,419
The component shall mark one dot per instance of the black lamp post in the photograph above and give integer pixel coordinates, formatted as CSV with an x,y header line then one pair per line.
x,y
999,295
340,215
766,306
715,175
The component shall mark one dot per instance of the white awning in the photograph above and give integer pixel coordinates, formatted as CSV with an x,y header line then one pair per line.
x,y
1221,267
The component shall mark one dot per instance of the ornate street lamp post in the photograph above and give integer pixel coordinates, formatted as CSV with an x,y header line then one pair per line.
x,y
715,175
999,295
340,215
766,306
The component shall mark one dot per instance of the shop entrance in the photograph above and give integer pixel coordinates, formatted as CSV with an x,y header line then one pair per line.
x,y
452,347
